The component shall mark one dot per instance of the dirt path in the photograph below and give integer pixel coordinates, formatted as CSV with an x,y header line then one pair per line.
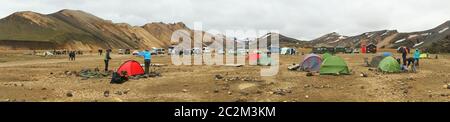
x,y
52,61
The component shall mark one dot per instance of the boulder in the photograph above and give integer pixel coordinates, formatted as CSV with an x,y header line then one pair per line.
x,y
69,94
218,77
118,92
294,66
106,93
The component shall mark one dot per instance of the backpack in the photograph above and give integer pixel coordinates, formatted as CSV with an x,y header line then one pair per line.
x,y
117,79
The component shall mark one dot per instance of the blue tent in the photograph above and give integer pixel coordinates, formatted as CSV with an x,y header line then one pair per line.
x,y
386,54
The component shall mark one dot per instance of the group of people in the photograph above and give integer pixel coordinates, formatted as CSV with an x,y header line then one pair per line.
x,y
147,55
100,52
64,52
411,62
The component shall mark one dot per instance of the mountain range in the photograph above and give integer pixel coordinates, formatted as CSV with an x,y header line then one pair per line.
x,y
434,40
75,29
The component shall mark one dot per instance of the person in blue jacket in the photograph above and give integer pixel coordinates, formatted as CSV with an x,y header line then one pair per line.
x,y
147,60
416,57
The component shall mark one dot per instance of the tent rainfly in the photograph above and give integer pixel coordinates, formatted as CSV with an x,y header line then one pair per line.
x,y
334,65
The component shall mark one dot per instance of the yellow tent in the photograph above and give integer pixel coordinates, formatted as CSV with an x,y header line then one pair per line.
x,y
424,55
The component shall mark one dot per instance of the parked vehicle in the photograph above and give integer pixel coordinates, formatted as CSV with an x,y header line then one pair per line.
x,y
121,52
127,51
339,49
356,50
196,51
171,50
348,50
220,51
322,50
241,51
206,50
231,52
158,51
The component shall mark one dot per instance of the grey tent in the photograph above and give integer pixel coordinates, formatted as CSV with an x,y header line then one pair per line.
x,y
311,63
376,60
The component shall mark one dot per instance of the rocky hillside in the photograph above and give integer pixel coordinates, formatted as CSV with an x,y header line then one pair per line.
x,y
74,29
434,40
377,37
285,41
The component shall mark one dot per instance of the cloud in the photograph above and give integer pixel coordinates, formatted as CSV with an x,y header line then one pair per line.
x,y
303,19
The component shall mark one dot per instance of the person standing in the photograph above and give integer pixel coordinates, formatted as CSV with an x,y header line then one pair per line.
x,y
107,58
416,57
73,55
70,56
147,60
100,52
404,51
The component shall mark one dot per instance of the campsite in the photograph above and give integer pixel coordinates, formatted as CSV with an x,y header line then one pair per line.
x,y
31,78
35,66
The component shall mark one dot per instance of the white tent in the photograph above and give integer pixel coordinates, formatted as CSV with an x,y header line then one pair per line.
x,y
136,52
287,51
48,53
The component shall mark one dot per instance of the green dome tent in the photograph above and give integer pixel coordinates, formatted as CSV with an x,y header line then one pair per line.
x,y
326,55
265,60
389,64
334,65
261,59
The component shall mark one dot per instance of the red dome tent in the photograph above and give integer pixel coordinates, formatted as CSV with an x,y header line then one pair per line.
x,y
132,68
254,57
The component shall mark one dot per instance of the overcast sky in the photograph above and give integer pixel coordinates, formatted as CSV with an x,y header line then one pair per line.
x,y
302,19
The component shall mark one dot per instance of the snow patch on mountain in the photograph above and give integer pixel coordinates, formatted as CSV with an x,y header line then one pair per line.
x,y
401,40
425,34
443,30
385,33
418,44
335,41
412,36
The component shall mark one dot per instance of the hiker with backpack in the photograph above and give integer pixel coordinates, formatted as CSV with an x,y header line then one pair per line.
x,y
412,63
404,50
107,58
147,60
